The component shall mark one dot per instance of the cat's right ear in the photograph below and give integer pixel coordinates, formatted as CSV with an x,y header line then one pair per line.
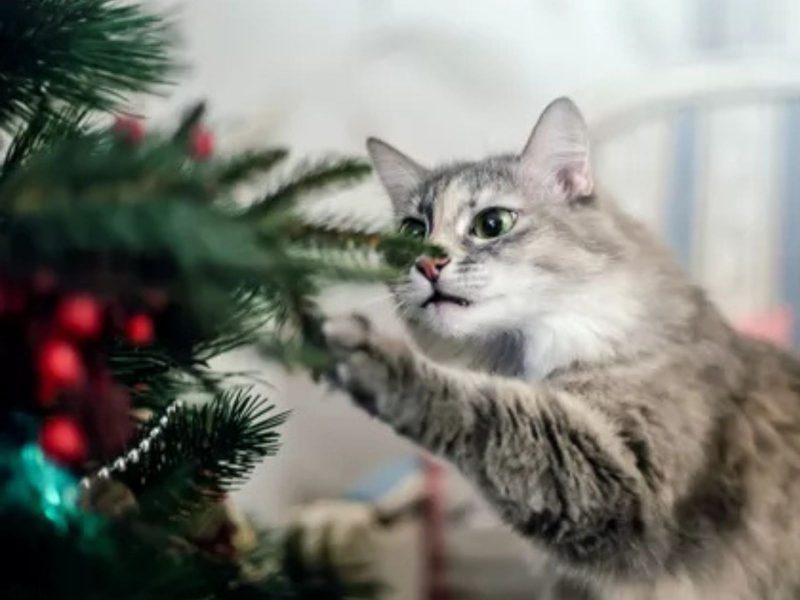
x,y
399,174
557,152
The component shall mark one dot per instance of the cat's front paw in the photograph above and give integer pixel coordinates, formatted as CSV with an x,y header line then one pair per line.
x,y
367,364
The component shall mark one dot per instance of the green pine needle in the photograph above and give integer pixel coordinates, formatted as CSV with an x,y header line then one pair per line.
x,y
398,251
191,119
204,452
251,163
85,54
44,127
325,175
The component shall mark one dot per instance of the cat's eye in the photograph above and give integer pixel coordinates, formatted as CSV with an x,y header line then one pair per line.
x,y
413,228
493,222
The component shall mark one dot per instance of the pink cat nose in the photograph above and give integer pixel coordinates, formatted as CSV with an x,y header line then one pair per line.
x,y
431,267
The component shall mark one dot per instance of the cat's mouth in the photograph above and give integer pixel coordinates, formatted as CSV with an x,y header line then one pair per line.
x,y
438,297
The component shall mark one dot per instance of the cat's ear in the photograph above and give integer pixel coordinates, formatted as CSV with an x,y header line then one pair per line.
x,y
557,152
399,174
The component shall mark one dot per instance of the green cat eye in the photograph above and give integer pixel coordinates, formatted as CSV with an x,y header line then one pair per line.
x,y
413,228
493,222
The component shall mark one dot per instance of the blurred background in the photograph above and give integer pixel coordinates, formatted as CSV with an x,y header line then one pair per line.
x,y
694,107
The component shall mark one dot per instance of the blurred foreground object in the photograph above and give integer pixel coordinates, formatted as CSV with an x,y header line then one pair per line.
x,y
420,533
125,267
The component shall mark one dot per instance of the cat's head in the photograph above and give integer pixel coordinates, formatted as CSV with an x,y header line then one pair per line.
x,y
524,235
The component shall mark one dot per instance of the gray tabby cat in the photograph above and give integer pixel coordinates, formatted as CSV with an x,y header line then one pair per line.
x,y
604,407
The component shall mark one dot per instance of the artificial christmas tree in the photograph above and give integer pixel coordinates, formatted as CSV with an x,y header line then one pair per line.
x,y
125,267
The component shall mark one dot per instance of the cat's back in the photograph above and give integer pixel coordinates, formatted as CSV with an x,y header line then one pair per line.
x,y
735,521
769,440
755,455
748,536
768,411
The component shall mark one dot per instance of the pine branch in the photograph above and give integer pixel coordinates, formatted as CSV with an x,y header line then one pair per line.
x,y
249,312
229,249
293,352
44,127
341,233
127,221
130,218
203,452
190,120
248,164
325,175
85,54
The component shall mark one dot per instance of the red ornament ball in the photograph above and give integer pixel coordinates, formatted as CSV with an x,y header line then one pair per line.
x,y
201,143
139,330
60,365
63,441
80,316
129,129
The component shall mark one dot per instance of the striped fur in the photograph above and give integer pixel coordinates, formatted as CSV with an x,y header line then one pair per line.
x,y
602,405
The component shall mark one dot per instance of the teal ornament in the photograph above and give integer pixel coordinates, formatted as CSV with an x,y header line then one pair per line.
x,y
36,484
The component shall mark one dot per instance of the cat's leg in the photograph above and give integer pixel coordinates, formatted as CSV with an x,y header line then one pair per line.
x,y
555,468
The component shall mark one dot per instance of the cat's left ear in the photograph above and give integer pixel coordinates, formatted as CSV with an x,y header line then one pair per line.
x,y
401,176
557,152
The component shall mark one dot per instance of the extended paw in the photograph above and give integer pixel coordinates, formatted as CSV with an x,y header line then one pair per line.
x,y
366,364
345,334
